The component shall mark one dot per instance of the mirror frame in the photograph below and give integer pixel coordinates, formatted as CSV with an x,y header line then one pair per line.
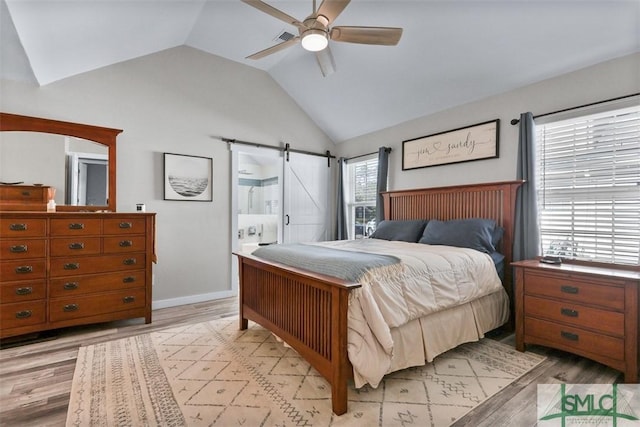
x,y
100,135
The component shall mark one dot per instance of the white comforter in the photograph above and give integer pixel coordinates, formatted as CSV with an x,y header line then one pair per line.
x,y
429,279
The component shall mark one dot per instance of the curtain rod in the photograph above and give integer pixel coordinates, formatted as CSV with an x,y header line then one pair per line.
x,y
368,154
287,149
516,121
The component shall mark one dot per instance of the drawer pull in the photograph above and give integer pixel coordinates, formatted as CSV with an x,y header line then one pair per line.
x,y
25,290
23,314
568,312
569,336
126,243
128,299
76,245
24,269
70,307
16,249
128,279
129,261
18,227
569,289
76,226
70,286
71,266
125,225
26,193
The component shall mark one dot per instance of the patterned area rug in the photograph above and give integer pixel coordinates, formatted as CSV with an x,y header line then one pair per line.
x,y
213,374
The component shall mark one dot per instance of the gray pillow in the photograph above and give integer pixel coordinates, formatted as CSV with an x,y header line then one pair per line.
x,y
403,230
474,233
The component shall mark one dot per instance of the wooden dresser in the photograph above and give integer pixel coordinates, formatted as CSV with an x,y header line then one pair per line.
x,y
589,311
64,269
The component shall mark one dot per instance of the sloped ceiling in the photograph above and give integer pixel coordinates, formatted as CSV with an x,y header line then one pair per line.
x,y
451,52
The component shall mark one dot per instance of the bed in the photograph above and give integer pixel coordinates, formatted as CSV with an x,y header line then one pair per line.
x,y
310,310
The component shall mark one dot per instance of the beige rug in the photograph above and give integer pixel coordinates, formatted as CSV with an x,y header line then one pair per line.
x,y
212,374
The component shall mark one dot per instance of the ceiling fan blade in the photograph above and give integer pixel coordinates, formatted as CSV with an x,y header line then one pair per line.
x,y
274,49
326,62
270,10
332,8
386,36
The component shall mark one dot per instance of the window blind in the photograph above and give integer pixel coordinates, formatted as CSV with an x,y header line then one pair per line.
x,y
588,186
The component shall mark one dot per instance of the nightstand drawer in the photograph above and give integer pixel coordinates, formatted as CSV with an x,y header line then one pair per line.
x,y
561,336
609,322
23,227
23,291
569,288
22,249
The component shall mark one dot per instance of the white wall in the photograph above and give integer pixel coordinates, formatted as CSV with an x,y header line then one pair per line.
x,y
603,81
176,101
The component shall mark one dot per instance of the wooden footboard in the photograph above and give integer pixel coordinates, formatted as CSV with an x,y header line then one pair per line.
x,y
308,311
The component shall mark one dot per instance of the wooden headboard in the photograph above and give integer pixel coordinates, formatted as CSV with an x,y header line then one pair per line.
x,y
492,201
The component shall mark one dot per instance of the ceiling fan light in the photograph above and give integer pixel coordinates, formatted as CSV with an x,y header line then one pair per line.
x,y
314,40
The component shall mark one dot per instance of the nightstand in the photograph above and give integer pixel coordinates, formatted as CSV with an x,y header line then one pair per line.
x,y
586,310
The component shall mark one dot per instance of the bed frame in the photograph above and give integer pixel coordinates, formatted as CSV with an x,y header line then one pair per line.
x,y
309,311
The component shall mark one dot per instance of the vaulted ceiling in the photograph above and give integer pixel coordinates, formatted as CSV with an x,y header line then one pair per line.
x,y
451,51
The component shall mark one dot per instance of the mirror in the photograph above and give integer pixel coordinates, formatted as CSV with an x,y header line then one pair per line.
x,y
258,191
78,160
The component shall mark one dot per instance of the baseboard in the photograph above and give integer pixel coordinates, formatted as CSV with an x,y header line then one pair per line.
x,y
192,299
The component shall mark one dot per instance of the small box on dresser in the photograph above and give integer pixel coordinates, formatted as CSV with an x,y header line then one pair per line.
x,y
591,311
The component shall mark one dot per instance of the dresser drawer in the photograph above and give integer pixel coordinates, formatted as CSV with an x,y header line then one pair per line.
x,y
75,246
124,244
609,322
20,314
92,305
130,225
25,290
68,286
72,266
22,227
80,226
561,336
22,249
27,269
570,288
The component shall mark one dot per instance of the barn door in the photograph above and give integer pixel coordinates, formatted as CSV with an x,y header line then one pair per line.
x,y
307,180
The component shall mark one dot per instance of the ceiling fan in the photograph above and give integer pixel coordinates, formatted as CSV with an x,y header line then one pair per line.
x,y
315,31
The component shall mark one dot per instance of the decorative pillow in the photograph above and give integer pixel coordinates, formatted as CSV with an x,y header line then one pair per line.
x,y
474,233
404,230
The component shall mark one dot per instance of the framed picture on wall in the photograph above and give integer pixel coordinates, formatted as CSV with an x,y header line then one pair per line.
x,y
465,144
188,178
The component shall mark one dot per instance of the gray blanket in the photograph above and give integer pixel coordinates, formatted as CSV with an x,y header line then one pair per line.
x,y
346,265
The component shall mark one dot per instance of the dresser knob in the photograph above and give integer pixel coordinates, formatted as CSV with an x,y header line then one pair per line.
x,y
568,312
569,289
25,290
76,245
125,225
16,249
128,279
70,307
570,336
23,314
24,269
71,266
17,227
76,226
126,243
128,299
70,286
129,261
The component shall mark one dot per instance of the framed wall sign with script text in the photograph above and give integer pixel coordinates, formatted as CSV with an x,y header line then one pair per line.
x,y
459,145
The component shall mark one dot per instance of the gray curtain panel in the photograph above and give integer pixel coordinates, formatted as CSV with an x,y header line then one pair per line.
x,y
526,241
341,218
383,173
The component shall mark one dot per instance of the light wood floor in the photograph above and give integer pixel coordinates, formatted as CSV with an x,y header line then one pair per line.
x,y
35,379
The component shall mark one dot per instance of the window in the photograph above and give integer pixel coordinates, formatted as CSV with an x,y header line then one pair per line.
x,y
588,186
360,195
